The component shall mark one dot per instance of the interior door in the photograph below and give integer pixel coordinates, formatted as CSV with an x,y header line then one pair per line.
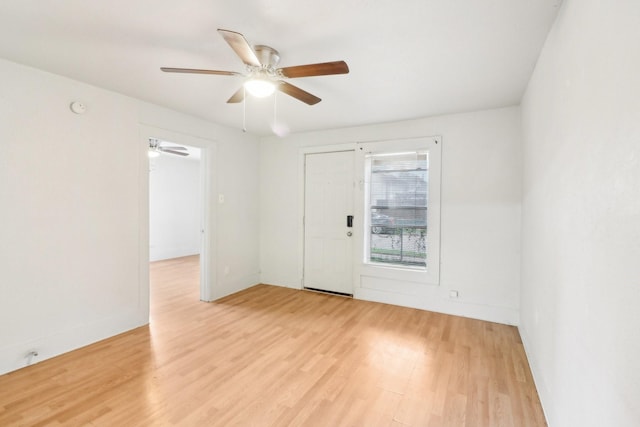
x,y
328,201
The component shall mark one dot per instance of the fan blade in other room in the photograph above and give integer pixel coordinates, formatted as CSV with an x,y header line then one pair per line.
x,y
179,153
298,93
321,69
174,148
237,97
196,71
241,47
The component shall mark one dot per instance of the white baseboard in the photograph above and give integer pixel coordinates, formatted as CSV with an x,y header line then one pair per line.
x,y
159,254
14,356
505,315
543,392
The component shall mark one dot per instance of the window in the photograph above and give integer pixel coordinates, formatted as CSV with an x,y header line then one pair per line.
x,y
396,210
398,243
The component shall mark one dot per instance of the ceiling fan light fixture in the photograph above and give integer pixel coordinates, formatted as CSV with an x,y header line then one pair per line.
x,y
263,78
259,87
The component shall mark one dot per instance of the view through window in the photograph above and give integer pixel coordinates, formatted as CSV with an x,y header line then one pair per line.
x,y
397,208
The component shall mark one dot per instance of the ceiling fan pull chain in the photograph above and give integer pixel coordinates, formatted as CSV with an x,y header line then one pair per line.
x,y
244,109
275,109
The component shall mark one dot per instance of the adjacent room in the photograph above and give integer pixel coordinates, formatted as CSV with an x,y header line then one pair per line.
x,y
417,213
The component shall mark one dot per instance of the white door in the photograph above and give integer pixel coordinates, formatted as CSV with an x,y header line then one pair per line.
x,y
328,200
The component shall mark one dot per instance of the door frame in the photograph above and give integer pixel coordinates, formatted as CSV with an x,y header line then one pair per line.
x,y
208,188
302,153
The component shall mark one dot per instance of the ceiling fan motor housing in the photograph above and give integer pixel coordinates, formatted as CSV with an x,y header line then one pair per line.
x,y
268,56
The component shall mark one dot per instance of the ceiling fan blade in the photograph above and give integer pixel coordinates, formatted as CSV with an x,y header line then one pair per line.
x,y
237,97
174,148
197,71
179,153
240,46
320,69
298,93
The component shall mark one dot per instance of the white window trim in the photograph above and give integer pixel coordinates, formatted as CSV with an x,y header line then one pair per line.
x,y
430,275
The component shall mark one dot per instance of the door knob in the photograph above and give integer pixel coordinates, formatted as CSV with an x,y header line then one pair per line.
x,y
349,233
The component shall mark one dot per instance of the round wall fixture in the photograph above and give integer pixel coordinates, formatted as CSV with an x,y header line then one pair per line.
x,y
78,107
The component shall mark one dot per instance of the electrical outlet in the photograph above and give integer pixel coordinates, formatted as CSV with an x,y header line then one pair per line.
x,y
453,294
30,356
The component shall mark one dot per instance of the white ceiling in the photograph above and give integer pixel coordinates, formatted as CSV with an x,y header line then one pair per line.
x,y
408,58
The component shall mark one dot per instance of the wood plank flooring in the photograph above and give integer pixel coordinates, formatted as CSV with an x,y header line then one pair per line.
x,y
272,356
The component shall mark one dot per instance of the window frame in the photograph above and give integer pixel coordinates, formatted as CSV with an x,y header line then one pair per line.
x,y
396,272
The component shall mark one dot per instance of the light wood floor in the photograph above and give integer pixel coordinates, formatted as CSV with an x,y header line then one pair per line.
x,y
271,356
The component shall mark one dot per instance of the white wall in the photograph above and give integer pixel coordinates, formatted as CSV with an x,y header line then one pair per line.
x,y
581,216
480,221
175,206
72,226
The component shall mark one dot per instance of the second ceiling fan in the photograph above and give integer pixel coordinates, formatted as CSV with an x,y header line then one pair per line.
x,y
262,75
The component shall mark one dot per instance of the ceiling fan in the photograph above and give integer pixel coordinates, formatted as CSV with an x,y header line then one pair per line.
x,y
263,78
156,147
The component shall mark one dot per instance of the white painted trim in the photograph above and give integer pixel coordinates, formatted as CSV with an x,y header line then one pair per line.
x,y
347,146
543,392
208,246
433,301
143,230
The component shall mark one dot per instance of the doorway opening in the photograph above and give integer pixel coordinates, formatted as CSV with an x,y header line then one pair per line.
x,y
175,206
205,209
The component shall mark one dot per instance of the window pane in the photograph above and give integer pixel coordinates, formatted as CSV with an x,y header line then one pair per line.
x,y
398,208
